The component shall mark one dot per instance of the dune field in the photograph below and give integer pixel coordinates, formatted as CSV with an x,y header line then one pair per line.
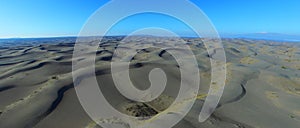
x,y
262,84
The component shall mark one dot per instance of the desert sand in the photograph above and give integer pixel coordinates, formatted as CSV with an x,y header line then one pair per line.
x,y
262,85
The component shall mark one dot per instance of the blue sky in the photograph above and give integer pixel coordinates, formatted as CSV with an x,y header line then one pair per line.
x,y
43,18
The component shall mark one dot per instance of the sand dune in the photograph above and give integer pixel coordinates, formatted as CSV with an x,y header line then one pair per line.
x,y
262,86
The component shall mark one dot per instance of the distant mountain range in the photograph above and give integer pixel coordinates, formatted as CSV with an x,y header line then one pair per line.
x,y
267,36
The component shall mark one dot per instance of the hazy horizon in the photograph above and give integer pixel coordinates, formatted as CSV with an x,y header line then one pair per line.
x,y
255,36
